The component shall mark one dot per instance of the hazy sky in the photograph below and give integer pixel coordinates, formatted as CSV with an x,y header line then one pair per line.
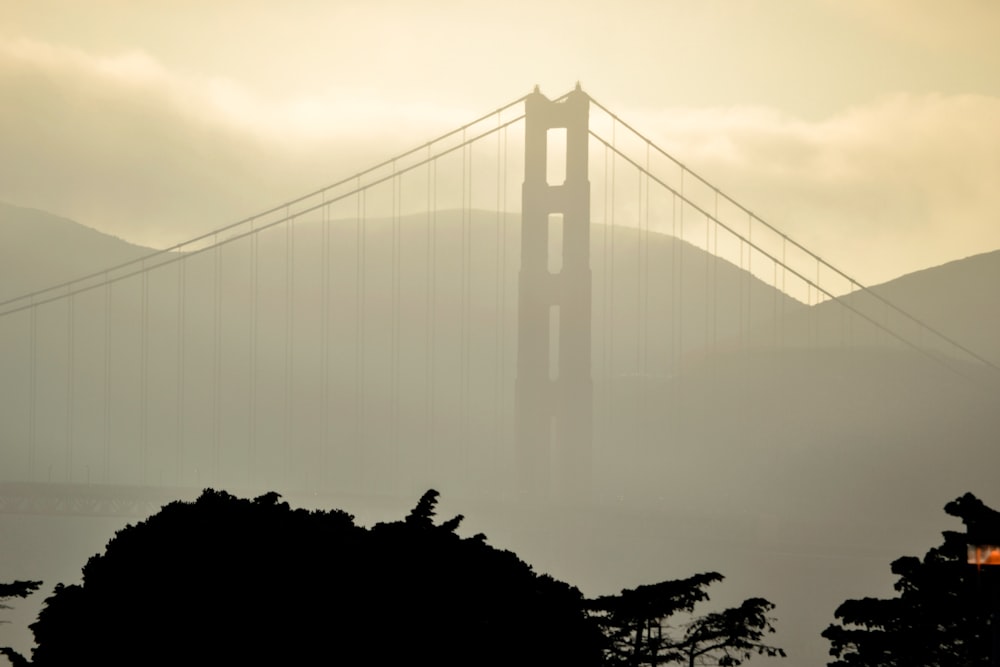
x,y
870,130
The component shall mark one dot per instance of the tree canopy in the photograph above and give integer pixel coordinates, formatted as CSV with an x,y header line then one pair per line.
x,y
636,624
15,589
941,615
225,580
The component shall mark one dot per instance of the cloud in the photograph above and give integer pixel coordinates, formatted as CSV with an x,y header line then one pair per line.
x,y
124,144
966,25
896,185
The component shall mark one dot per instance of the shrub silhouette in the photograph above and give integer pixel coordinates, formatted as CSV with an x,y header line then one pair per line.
x,y
225,580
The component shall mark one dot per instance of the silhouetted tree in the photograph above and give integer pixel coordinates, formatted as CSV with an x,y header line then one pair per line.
x,y
16,589
941,615
728,637
225,580
635,623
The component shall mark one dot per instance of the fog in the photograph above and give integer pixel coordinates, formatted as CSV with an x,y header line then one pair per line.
x,y
797,449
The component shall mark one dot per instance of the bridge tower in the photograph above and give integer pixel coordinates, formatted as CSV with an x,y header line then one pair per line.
x,y
554,389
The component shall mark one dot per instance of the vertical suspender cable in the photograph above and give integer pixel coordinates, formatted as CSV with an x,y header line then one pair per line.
x,y
216,360
610,267
360,296
252,412
464,306
715,282
107,380
852,287
605,295
289,343
639,257
709,337
144,375
742,280
179,398
844,323
498,313
467,375
397,194
819,300
784,286
431,242
777,304
32,388
645,279
70,381
504,394
642,367
680,274
324,333
674,249
750,277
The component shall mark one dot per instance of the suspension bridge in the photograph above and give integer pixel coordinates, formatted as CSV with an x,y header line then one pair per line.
x,y
503,311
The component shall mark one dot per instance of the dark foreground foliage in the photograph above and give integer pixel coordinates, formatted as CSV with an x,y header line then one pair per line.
x,y
640,629
225,580
941,617
15,589
230,581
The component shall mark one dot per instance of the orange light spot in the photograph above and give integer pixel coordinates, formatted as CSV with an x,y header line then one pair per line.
x,y
986,554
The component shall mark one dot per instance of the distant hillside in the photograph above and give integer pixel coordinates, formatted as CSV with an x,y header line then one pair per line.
x,y
959,300
38,249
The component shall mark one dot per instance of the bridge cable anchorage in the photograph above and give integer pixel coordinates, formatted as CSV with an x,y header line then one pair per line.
x,y
811,282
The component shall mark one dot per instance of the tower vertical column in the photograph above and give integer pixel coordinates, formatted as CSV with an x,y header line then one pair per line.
x,y
554,396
